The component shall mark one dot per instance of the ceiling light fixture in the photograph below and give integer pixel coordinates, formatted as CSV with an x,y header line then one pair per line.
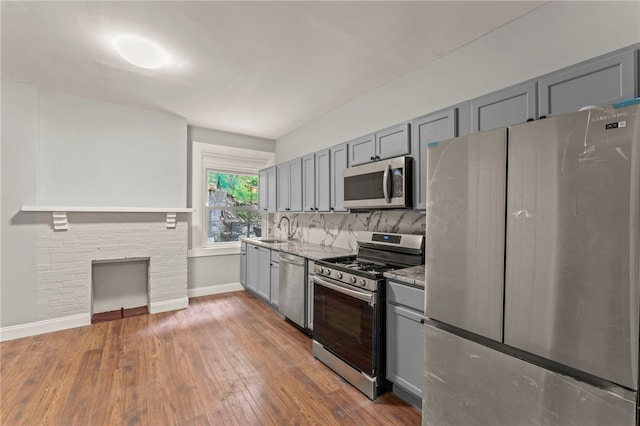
x,y
141,52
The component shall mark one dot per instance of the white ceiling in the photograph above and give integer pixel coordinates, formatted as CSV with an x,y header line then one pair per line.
x,y
257,68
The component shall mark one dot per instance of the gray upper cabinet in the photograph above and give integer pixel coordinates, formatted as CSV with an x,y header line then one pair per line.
x,y
295,195
323,181
391,142
428,129
339,162
362,150
607,80
284,183
289,180
309,183
267,189
506,107
272,189
263,183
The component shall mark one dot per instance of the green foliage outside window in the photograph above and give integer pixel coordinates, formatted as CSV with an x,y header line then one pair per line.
x,y
244,189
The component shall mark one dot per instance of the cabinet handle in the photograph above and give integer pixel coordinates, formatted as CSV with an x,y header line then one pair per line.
x,y
422,321
372,158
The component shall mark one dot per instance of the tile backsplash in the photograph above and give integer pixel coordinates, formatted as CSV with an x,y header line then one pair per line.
x,y
340,230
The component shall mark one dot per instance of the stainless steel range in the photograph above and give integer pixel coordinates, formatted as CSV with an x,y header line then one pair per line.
x,y
349,303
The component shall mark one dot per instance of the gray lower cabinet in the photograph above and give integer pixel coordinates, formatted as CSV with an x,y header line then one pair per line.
x,y
604,81
339,162
426,130
513,105
253,267
243,263
264,271
275,277
405,359
258,275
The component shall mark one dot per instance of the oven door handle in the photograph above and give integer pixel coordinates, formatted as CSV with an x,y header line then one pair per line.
x,y
365,297
385,183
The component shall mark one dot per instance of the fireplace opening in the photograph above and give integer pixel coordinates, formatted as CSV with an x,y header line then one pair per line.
x,y
120,288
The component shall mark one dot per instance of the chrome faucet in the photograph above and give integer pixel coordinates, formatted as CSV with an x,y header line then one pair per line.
x,y
289,236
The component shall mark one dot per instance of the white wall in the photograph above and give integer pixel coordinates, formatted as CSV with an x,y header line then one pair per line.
x,y
208,272
59,149
554,36
102,154
19,177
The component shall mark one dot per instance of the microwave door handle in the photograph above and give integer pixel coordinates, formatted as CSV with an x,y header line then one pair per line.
x,y
385,183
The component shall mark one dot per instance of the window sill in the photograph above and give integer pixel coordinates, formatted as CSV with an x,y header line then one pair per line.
x,y
214,251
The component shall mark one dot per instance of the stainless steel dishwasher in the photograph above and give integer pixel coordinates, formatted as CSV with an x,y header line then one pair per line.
x,y
293,277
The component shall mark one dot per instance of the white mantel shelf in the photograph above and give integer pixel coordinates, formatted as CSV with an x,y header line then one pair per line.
x,y
60,222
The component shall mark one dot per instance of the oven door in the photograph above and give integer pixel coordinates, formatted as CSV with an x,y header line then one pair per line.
x,y
345,323
383,184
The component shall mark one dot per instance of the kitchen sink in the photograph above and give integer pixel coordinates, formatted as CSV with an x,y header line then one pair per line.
x,y
271,241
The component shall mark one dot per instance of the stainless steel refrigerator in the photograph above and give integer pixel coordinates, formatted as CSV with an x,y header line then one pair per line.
x,y
533,266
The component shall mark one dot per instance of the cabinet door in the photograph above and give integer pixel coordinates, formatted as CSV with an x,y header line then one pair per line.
x,y
284,182
513,105
272,189
339,162
430,128
275,282
405,359
295,185
362,150
264,273
323,181
253,267
309,183
393,142
263,183
243,268
601,82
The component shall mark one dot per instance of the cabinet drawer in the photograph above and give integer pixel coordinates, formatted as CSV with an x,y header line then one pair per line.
x,y
402,294
275,256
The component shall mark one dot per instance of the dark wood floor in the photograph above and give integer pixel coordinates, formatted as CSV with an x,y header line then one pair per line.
x,y
227,359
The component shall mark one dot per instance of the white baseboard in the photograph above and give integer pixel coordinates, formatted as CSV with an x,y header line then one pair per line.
x,y
214,289
45,326
168,305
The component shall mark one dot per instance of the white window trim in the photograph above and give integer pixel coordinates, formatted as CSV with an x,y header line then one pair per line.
x,y
226,159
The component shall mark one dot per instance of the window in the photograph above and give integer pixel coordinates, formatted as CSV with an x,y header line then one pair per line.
x,y
232,207
224,197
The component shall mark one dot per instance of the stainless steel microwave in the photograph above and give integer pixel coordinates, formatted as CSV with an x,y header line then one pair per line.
x,y
383,184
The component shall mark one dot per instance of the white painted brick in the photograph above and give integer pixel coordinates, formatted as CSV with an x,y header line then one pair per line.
x,y
64,257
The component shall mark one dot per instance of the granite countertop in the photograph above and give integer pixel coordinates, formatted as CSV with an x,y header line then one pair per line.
x,y
299,248
413,276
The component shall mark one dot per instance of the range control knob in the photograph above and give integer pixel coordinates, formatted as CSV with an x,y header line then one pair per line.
x,y
362,282
353,280
319,269
339,275
327,272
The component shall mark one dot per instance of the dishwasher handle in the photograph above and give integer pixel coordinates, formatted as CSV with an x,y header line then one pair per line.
x,y
292,260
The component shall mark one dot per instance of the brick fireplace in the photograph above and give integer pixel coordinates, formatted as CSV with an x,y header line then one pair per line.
x,y
65,257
